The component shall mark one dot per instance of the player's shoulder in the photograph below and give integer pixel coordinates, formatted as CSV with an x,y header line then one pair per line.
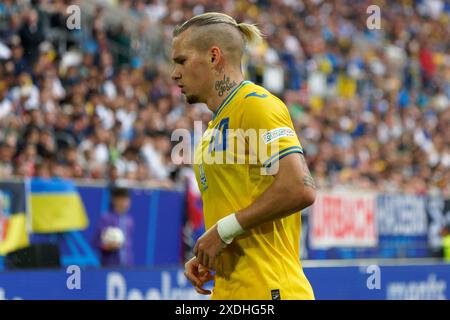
x,y
252,91
256,98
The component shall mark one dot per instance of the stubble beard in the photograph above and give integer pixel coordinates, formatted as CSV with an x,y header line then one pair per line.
x,y
192,99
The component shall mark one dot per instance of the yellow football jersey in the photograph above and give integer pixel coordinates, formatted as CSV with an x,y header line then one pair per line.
x,y
234,162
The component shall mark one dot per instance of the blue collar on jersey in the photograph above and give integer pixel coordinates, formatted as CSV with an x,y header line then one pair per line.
x,y
229,97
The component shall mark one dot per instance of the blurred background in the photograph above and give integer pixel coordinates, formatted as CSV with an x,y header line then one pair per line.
x,y
87,110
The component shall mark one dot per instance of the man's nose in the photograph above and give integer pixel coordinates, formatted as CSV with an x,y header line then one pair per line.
x,y
175,74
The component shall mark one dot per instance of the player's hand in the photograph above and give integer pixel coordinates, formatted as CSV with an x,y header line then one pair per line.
x,y
208,247
198,275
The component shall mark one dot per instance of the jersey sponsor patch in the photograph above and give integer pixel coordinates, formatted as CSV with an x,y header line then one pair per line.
x,y
277,133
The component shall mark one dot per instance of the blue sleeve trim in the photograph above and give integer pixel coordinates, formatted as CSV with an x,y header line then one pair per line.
x,y
254,94
282,154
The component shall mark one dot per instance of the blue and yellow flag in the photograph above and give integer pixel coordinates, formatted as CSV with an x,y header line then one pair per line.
x,y
56,206
13,232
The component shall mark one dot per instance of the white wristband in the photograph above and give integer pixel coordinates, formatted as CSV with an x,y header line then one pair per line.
x,y
229,228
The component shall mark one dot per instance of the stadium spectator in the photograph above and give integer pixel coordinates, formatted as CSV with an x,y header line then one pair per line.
x,y
372,105
115,231
31,35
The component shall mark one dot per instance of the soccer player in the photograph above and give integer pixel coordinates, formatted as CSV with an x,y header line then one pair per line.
x,y
251,246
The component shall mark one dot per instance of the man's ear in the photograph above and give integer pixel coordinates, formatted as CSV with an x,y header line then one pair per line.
x,y
216,57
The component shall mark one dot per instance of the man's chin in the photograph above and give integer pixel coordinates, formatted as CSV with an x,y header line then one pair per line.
x,y
192,99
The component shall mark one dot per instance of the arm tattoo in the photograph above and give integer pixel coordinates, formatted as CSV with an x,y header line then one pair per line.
x,y
224,85
308,180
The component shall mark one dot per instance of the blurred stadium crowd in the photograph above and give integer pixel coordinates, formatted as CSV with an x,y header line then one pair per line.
x,y
372,107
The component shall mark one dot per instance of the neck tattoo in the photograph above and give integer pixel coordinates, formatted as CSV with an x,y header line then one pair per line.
x,y
224,85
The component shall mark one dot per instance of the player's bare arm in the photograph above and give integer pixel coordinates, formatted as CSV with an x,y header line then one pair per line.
x,y
293,189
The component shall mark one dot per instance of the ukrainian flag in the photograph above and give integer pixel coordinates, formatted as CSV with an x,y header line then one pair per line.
x,y
56,206
13,235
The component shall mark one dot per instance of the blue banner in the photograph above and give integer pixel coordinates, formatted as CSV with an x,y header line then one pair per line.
x,y
381,282
401,215
158,217
105,284
402,225
369,282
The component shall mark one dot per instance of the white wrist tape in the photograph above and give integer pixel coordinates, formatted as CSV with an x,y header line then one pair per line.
x,y
229,228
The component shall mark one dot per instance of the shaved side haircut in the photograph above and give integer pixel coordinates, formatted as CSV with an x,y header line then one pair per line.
x,y
218,29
